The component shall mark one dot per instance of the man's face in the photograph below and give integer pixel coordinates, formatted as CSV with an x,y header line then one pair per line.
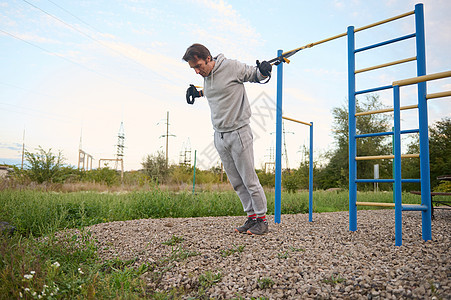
x,y
201,66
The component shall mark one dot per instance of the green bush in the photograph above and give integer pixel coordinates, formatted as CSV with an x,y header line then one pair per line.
x,y
44,167
106,176
137,178
291,181
156,168
266,179
181,174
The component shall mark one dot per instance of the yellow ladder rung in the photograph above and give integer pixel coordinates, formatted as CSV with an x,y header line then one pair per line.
x,y
385,110
375,204
438,95
386,156
379,204
401,61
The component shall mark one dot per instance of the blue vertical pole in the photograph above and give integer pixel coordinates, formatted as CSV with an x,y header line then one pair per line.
x,y
423,124
278,179
397,162
352,132
310,184
194,172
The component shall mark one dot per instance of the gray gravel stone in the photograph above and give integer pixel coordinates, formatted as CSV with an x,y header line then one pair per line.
x,y
317,260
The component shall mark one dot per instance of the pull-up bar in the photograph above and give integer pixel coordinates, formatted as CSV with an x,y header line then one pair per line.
x,y
285,55
297,121
423,78
310,185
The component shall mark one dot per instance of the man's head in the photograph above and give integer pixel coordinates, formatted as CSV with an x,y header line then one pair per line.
x,y
199,58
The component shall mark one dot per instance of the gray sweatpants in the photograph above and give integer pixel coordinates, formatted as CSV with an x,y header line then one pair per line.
x,y
237,154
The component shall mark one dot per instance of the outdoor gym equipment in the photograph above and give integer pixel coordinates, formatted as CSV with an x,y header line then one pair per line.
x,y
310,185
420,80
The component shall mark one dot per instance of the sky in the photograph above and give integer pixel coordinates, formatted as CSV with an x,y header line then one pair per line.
x,y
72,71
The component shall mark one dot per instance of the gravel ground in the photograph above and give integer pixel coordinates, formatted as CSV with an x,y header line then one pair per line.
x,y
295,260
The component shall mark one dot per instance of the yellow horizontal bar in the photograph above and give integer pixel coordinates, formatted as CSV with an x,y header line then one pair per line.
x,y
317,43
385,110
379,204
345,34
386,156
385,21
387,64
297,121
438,95
375,204
423,78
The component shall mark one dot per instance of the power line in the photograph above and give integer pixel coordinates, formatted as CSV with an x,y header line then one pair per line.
x,y
53,53
93,39
62,8
27,90
73,62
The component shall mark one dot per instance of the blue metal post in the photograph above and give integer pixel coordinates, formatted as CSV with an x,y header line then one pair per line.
x,y
194,171
310,184
278,179
423,124
352,132
397,162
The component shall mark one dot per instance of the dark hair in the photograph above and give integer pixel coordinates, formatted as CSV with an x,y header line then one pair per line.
x,y
196,50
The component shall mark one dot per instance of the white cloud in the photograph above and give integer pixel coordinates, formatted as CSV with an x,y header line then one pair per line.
x,y
228,26
165,66
34,38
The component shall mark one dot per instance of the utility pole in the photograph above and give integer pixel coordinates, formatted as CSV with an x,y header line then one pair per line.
x,y
23,148
185,154
167,139
270,162
120,144
167,135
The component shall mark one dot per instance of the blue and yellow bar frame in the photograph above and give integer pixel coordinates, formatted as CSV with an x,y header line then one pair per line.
x,y
420,79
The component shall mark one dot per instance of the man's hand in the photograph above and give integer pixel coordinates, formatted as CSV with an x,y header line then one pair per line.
x,y
192,93
264,67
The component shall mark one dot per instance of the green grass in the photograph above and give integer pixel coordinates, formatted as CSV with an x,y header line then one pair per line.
x,y
35,263
38,213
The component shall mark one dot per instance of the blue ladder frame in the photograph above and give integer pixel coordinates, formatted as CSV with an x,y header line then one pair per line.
x,y
425,206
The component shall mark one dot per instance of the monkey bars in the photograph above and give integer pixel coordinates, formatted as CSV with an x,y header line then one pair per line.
x,y
420,59
397,180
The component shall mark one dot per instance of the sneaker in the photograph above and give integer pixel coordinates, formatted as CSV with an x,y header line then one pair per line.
x,y
249,223
260,227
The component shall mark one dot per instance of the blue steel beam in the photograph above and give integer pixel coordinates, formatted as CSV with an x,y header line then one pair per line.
x,y
310,185
386,180
386,42
352,132
278,175
385,87
414,208
397,163
423,124
385,133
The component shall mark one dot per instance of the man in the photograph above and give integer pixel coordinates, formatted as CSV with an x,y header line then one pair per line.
x,y
230,114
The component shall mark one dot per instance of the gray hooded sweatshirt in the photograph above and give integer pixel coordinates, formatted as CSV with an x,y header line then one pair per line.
x,y
226,95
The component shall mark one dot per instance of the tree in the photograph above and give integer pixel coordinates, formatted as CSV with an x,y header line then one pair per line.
x,y
439,154
155,167
336,173
440,149
44,166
